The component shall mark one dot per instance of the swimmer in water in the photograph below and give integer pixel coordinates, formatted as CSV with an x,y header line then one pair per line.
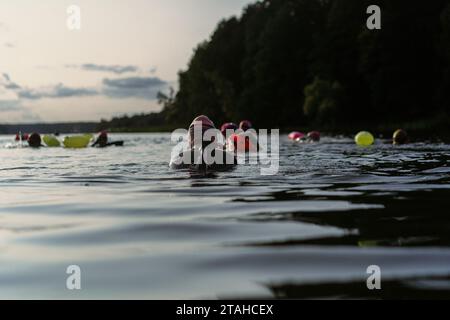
x,y
102,141
22,136
244,140
313,136
400,137
194,156
245,125
230,126
34,140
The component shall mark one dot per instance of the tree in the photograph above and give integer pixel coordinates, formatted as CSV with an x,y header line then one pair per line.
x,y
322,101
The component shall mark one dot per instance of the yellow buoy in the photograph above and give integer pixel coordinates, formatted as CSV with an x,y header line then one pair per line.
x,y
51,141
76,141
364,138
90,136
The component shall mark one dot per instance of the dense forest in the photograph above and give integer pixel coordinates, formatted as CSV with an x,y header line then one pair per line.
x,y
292,63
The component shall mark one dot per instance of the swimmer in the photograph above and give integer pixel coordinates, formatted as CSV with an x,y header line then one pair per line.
x,y
245,125
102,140
230,126
242,142
400,137
296,135
34,140
193,157
22,136
313,136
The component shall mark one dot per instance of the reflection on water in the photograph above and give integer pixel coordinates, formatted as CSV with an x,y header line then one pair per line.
x,y
140,230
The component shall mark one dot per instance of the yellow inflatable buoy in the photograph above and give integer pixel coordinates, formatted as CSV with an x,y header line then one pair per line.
x,y
51,141
77,141
89,136
364,138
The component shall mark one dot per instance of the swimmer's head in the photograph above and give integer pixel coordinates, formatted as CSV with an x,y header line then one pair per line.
x,y
102,138
400,137
34,140
228,126
21,136
296,135
203,123
314,136
245,125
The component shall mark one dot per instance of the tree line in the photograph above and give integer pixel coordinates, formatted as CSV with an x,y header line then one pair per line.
x,y
293,63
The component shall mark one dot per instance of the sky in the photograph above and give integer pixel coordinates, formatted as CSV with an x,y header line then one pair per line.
x,y
124,52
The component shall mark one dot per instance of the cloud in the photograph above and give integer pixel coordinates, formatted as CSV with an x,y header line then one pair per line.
x,y
12,91
11,107
8,95
139,87
120,88
7,84
117,69
58,91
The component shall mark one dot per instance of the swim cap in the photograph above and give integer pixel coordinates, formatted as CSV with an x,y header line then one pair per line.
x,y
228,126
296,135
400,137
237,141
314,136
24,137
34,140
245,125
205,123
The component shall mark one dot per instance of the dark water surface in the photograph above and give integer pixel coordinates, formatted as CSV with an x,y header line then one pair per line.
x,y
140,230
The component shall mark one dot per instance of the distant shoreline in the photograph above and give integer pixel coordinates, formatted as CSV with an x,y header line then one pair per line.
x,y
437,128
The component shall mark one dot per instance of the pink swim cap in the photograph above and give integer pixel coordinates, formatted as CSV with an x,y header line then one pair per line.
x,y
296,135
205,123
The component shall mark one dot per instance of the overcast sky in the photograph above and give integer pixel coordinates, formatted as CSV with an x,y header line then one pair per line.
x,y
124,53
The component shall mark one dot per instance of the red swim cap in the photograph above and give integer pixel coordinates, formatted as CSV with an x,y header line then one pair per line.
x,y
24,137
314,135
237,140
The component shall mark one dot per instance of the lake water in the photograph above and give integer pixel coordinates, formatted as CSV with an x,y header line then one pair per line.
x,y
138,229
